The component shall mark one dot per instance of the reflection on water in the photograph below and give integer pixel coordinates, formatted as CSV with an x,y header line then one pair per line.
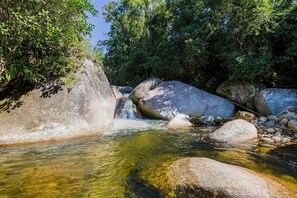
x,y
117,164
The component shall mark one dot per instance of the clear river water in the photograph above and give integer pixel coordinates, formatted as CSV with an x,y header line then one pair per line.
x,y
126,162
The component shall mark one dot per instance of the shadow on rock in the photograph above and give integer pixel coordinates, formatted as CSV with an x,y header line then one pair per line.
x,y
10,99
50,89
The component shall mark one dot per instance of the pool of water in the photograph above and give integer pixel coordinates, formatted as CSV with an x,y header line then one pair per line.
x,y
123,163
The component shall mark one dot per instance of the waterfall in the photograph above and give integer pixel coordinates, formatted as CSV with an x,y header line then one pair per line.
x,y
128,110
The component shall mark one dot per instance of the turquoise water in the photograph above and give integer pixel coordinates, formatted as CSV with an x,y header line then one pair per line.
x,y
123,163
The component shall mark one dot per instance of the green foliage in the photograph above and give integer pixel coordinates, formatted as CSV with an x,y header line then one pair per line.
x,y
41,39
202,42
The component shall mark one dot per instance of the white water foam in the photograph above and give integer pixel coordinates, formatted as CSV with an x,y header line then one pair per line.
x,y
127,125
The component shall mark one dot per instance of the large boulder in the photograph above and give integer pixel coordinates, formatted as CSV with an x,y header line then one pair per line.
x,y
203,177
233,132
274,101
240,91
168,99
143,88
56,112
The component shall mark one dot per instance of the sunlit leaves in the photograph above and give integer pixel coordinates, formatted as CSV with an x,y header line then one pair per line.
x,y
38,37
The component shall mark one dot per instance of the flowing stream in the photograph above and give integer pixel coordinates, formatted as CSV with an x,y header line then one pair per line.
x,y
125,162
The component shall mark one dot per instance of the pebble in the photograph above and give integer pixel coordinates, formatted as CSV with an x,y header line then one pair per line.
x,y
272,118
285,140
267,140
209,119
277,134
262,119
283,122
218,121
277,139
269,124
270,130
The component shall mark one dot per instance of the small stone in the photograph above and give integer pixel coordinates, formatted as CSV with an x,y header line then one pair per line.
x,y
269,124
284,122
292,125
277,139
277,134
267,140
218,121
262,119
278,130
270,130
272,118
260,131
245,116
285,140
209,119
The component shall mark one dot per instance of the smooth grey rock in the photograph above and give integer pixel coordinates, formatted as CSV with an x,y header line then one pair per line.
x,y
274,101
203,177
173,97
56,112
235,131
292,125
269,124
143,88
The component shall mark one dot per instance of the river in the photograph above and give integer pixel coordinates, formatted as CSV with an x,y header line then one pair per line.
x,y
125,162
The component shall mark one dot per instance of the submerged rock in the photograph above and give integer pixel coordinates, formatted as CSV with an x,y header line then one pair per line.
x,y
203,177
274,101
168,99
56,112
180,121
236,131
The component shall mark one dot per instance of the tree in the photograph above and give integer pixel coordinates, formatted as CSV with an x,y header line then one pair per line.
x,y
41,39
201,42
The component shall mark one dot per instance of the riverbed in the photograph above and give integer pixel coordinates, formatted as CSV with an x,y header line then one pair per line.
x,y
125,162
